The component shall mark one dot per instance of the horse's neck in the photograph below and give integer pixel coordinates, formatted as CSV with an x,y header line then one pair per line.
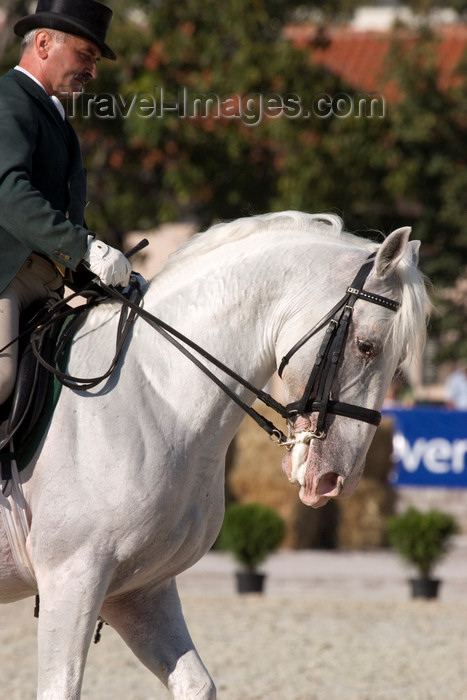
x,y
235,300
224,301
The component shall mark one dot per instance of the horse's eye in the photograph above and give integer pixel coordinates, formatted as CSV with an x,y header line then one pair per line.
x,y
366,347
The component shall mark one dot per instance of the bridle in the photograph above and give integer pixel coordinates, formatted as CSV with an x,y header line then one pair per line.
x,y
317,395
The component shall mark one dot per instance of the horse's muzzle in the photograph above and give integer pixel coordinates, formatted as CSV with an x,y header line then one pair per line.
x,y
315,488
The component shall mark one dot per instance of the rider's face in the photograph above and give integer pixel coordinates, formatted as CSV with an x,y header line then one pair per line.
x,y
68,65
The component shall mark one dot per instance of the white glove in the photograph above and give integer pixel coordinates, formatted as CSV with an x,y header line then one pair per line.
x,y
109,264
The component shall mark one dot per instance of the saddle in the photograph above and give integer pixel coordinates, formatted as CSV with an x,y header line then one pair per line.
x,y
45,336
21,413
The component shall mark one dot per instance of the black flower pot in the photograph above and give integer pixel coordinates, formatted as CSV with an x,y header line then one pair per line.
x,y
424,587
250,582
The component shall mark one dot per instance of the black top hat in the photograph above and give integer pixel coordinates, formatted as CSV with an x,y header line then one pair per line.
x,y
85,18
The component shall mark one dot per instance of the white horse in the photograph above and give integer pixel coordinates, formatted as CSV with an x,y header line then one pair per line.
x,y
126,489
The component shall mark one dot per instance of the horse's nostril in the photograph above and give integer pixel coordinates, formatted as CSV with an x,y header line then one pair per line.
x,y
330,484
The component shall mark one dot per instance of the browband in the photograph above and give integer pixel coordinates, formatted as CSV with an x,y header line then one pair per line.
x,y
375,298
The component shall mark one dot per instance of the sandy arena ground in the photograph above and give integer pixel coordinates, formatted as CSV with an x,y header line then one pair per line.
x,y
330,626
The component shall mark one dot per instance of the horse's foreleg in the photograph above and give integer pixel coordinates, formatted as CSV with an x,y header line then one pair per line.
x,y
151,623
70,600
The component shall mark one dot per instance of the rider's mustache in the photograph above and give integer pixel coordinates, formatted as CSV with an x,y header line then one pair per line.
x,y
82,78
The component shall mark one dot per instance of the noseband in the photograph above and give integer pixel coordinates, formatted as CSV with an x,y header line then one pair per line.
x,y
317,395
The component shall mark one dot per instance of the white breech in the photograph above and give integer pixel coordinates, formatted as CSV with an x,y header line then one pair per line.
x,y
37,279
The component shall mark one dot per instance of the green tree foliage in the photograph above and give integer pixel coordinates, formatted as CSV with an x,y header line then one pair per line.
x,y
424,7
404,165
208,150
234,159
429,162
428,173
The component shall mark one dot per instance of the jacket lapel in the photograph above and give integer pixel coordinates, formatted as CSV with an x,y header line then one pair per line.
x,y
76,174
43,99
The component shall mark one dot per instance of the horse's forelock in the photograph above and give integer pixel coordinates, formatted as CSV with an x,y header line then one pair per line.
x,y
409,327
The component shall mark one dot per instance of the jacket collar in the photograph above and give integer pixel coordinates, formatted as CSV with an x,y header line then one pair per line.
x,y
55,100
38,93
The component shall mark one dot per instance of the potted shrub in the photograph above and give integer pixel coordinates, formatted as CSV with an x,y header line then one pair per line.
x,y
422,539
251,531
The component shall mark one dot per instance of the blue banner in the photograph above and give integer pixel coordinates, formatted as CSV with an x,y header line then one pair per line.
x,y
429,447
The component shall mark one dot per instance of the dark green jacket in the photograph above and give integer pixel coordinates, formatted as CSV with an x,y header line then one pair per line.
x,y
42,180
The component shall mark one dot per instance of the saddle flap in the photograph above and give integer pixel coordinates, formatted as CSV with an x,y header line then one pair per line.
x,y
27,402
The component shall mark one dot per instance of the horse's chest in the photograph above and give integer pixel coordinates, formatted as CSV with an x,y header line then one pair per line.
x,y
166,545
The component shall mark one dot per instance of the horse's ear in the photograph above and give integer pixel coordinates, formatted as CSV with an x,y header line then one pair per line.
x,y
392,251
412,249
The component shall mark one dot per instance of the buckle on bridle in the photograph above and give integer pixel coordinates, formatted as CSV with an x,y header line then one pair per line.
x,y
278,438
303,437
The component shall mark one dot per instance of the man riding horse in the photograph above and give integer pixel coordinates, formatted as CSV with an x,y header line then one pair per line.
x,y
43,233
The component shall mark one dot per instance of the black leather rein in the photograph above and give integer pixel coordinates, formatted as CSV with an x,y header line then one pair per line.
x,y
316,397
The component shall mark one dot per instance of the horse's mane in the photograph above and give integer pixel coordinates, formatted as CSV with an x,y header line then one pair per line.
x,y
409,327
327,224
233,231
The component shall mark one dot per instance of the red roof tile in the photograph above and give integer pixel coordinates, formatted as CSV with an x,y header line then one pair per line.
x,y
359,57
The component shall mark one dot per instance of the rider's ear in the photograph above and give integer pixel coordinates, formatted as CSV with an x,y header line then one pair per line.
x,y
392,251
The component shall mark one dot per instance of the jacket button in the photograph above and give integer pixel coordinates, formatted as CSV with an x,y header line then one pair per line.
x,y
64,256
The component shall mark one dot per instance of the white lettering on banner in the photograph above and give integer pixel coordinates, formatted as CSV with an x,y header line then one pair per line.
x,y
403,452
438,455
459,450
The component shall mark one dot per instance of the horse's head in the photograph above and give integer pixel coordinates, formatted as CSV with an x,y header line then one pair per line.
x,y
330,432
